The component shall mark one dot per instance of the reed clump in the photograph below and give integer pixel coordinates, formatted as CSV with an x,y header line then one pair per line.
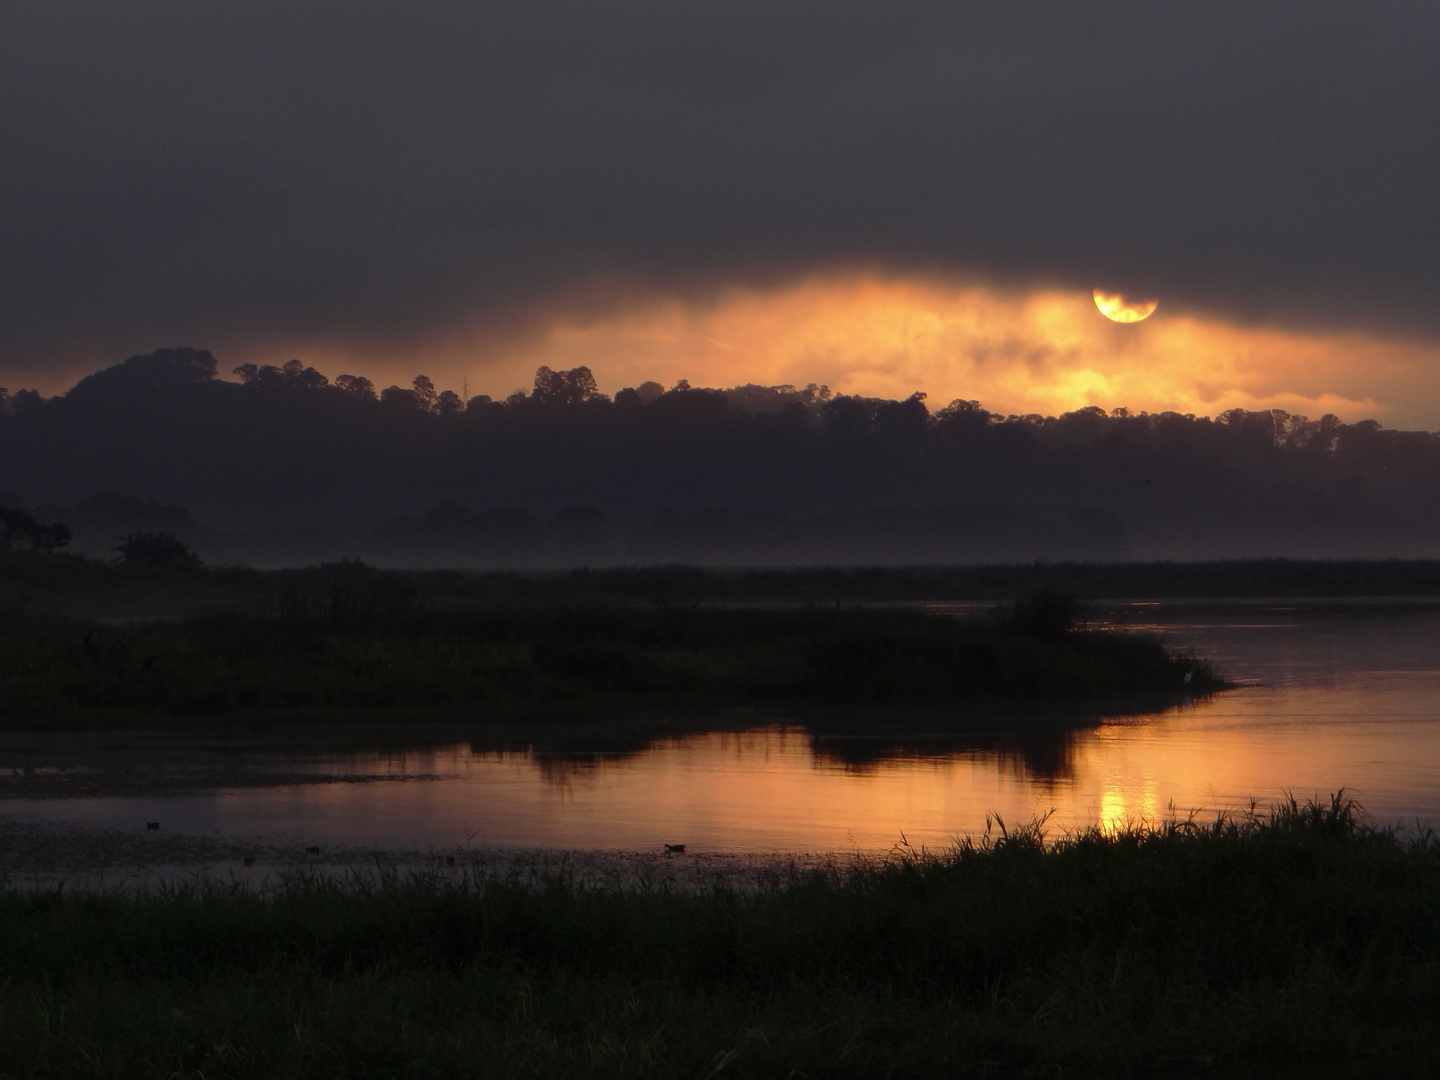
x,y
1293,936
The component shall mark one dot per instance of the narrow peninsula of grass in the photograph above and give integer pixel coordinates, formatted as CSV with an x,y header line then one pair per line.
x,y
1302,938
342,656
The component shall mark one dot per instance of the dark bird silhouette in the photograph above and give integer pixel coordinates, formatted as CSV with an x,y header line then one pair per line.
x,y
313,849
152,825
249,860
677,849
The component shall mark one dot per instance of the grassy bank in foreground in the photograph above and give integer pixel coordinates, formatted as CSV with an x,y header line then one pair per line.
x,y
344,656
1299,937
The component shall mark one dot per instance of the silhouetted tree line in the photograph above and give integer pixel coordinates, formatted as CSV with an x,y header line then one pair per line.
x,y
775,474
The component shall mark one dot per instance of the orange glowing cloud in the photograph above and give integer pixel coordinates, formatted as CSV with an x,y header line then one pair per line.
x,y
1042,351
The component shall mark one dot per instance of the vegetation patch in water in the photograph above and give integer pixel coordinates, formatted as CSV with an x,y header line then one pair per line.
x,y
379,652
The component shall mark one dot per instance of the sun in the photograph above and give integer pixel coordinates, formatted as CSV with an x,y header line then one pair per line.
x,y
1118,308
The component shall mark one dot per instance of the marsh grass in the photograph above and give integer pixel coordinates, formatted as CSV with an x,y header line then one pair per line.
x,y
369,643
1297,935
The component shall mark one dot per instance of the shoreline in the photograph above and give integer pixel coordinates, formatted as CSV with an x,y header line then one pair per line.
x,y
37,852
1303,936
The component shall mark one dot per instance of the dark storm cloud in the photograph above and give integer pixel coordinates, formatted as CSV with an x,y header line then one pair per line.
x,y
186,171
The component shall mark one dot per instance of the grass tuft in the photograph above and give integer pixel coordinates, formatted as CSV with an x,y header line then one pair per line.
x,y
1298,934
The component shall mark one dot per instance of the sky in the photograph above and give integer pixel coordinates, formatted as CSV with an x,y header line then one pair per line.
x,y
881,197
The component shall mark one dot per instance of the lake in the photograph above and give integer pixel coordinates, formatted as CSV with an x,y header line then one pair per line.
x,y
1330,694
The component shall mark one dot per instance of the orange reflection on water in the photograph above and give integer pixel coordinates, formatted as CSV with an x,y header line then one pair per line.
x,y
761,790
767,790
1124,806
1333,700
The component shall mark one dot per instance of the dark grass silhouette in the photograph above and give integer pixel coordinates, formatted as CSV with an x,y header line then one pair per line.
x,y
1299,938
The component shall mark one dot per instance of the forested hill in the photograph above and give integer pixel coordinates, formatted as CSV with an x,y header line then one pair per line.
x,y
744,475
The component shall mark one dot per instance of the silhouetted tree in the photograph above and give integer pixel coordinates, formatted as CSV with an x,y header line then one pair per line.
x,y
565,387
21,531
156,549
24,401
293,374
816,392
756,399
396,397
305,378
356,386
425,395
139,382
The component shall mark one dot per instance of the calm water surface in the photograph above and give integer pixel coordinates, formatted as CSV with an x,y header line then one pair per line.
x,y
1333,695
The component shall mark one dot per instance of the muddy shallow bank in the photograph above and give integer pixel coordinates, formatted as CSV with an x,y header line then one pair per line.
x,y
40,853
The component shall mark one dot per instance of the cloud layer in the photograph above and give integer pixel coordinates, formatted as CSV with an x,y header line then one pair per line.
x,y
364,176
1044,351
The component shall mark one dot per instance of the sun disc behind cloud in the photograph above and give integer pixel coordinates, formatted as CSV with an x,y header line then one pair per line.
x,y
1033,352
1121,309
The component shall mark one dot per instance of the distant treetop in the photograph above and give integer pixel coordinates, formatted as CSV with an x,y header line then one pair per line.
x,y
156,550
20,531
566,387
290,374
160,370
